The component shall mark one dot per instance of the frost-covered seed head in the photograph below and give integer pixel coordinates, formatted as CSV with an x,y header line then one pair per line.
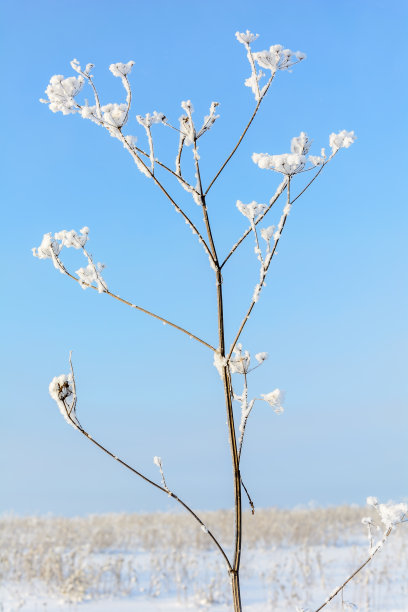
x,y
251,210
274,399
246,38
240,361
341,140
61,93
121,70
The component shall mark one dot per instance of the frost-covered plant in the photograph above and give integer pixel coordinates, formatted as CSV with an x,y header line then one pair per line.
x,y
229,358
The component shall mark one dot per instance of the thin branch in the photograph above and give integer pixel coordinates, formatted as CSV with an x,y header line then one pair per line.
x,y
281,188
168,196
242,135
265,269
340,588
154,484
148,312
314,178
159,163
251,503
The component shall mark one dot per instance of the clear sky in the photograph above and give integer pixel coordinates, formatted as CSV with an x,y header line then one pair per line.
x,y
333,314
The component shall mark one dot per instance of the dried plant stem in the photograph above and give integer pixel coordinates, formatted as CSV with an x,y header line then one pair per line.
x,y
251,503
154,484
148,312
243,133
340,588
234,572
281,188
168,196
262,282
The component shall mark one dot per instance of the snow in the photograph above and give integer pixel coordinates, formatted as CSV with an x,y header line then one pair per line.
x,y
292,560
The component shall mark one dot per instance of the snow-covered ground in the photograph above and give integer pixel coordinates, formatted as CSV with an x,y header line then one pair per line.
x,y
163,562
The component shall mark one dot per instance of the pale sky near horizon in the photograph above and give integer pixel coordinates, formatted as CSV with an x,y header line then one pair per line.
x,y
333,313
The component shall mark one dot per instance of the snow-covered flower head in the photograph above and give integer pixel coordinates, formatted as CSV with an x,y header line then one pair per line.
x,y
187,123
251,210
149,119
301,144
48,248
121,70
70,238
261,357
246,38
76,66
278,58
114,115
293,162
274,399
392,514
341,140
62,390
287,163
240,361
61,93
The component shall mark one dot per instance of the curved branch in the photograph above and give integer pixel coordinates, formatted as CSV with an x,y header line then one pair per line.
x,y
243,133
154,484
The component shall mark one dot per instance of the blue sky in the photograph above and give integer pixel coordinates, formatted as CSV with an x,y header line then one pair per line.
x,y
333,314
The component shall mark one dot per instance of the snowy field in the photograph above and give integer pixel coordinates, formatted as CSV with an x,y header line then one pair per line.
x,y
164,562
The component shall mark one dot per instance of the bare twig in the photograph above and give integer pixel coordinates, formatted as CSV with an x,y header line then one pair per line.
x,y
281,188
146,479
242,135
148,312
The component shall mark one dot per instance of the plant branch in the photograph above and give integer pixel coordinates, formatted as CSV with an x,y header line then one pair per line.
x,y
242,135
154,484
148,312
281,188
168,196
251,503
265,270
340,588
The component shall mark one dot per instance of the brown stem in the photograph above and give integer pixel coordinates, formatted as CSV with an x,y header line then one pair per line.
x,y
242,135
272,201
154,484
168,196
251,503
148,312
228,400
